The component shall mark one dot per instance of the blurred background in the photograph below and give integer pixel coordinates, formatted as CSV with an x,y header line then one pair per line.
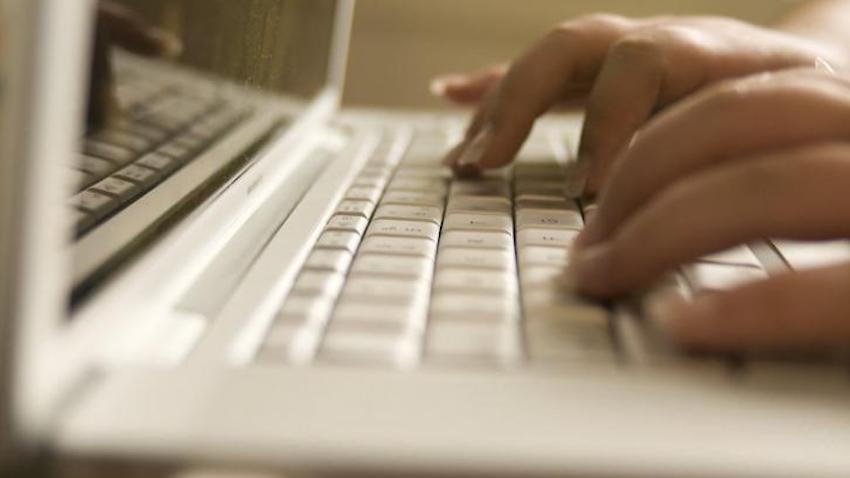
x,y
399,45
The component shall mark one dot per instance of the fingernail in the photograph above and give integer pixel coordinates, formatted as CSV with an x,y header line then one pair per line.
x,y
451,156
577,176
588,267
440,84
169,44
473,152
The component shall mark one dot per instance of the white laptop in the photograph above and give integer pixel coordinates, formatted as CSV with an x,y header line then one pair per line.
x,y
239,274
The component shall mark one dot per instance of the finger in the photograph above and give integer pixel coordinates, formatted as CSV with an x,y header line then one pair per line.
x,y
734,121
467,88
537,81
131,31
616,109
807,311
798,194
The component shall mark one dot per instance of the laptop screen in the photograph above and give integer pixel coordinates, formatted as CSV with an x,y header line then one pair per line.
x,y
178,101
280,45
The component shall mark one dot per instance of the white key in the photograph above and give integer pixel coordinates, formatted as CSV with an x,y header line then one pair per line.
x,y
478,222
411,246
544,187
392,265
527,201
328,260
423,173
381,290
472,306
741,255
548,218
345,345
304,308
432,186
277,343
339,240
137,174
91,200
322,283
480,258
533,236
544,301
497,188
394,227
807,254
356,208
545,256
340,222
450,279
564,338
473,341
417,213
371,194
535,275
707,276
115,186
413,198
376,182
480,204
392,317
477,239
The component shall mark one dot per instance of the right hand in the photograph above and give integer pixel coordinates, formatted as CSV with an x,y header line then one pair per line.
x,y
624,70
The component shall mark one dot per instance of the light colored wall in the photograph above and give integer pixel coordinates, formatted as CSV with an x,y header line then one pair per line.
x,y
398,45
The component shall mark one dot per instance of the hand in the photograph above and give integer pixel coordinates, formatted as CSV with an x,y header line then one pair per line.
x,y
763,156
119,26
624,70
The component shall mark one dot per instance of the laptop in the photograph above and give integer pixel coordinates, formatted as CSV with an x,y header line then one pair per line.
x,y
239,273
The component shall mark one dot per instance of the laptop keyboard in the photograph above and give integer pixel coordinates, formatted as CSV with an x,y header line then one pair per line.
x,y
417,267
164,128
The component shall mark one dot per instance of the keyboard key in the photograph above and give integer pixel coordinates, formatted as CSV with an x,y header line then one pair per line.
x,y
137,174
116,187
91,201
741,255
370,194
321,283
495,188
301,309
328,260
546,237
370,182
548,218
340,222
277,346
158,162
707,276
480,204
95,166
412,198
478,222
114,154
135,143
535,275
473,342
391,265
356,208
472,306
392,227
346,346
389,317
545,256
475,258
398,245
79,179
418,213
527,201
453,279
477,239
339,240
565,338
431,186
176,151
384,290
543,187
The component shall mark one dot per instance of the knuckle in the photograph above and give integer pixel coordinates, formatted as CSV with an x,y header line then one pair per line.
x,y
640,47
592,23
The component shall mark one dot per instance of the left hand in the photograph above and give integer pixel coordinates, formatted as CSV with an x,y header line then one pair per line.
x,y
763,156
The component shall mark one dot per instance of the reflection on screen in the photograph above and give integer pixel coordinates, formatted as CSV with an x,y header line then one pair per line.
x,y
281,45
